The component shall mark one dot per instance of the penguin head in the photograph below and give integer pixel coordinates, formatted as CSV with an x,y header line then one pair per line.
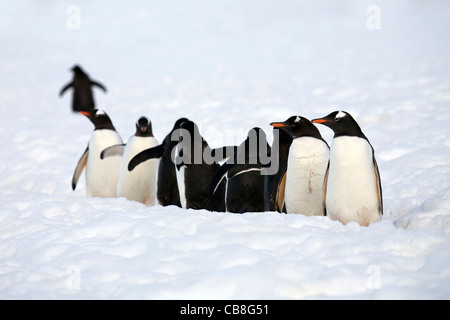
x,y
342,123
144,127
298,126
190,143
99,118
256,144
178,123
189,132
77,69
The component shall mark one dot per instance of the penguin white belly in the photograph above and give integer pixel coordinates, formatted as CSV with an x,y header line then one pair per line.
x,y
102,175
182,186
139,184
307,164
351,193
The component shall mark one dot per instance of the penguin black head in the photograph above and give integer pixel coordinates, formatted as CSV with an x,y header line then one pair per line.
x,y
189,132
297,127
178,123
256,144
77,69
190,143
144,127
342,123
99,118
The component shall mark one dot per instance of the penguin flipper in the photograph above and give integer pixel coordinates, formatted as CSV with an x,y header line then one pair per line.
x,y
218,176
151,153
67,86
378,186
98,84
79,168
279,203
116,150
325,182
220,154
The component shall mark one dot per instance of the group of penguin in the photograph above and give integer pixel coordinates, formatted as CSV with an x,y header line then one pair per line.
x,y
340,181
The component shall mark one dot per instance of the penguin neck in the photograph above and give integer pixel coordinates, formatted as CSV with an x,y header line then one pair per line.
x,y
347,128
105,126
351,133
148,133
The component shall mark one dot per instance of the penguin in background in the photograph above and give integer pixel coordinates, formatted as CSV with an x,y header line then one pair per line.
x,y
306,167
82,99
140,184
196,165
101,175
167,188
274,184
352,187
242,175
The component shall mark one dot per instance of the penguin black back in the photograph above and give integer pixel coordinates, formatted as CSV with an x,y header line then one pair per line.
x,y
279,158
82,98
245,183
195,173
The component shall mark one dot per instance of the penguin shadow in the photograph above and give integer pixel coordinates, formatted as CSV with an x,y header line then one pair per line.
x,y
82,84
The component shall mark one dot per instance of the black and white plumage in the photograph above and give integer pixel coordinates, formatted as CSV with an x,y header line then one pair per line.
x,y
167,191
82,98
242,175
306,167
352,188
140,184
101,175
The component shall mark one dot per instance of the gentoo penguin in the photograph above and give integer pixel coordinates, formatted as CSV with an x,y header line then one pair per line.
x,y
140,184
82,99
274,183
306,167
101,175
245,191
194,173
352,188
167,187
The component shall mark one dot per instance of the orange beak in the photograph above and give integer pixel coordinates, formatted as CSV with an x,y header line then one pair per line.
x,y
85,113
319,121
278,124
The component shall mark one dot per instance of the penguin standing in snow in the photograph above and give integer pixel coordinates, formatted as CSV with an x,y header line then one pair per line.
x,y
306,167
140,184
352,187
274,183
167,188
82,99
101,175
194,172
245,189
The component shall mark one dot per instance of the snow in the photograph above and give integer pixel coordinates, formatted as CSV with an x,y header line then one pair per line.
x,y
229,66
